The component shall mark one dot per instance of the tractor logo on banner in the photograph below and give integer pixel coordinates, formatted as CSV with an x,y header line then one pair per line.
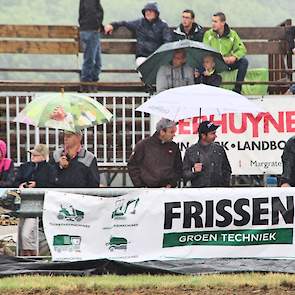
x,y
67,243
124,208
117,243
70,214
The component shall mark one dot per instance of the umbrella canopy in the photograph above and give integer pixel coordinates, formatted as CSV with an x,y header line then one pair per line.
x,y
195,52
70,112
188,101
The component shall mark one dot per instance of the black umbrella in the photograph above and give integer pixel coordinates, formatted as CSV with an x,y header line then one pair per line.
x,y
195,52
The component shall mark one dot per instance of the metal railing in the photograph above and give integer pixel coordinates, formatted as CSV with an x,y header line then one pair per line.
x,y
111,143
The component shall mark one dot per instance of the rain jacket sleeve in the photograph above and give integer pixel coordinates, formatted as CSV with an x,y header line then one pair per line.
x,y
161,80
206,37
239,50
226,169
167,34
288,159
7,177
290,36
100,13
93,175
23,171
177,168
130,25
187,171
134,163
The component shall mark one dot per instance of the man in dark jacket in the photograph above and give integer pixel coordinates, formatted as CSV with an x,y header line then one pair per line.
x,y
74,166
156,161
150,31
205,163
90,21
288,159
188,28
35,173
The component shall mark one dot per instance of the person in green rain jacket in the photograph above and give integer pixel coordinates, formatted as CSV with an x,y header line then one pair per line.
x,y
228,43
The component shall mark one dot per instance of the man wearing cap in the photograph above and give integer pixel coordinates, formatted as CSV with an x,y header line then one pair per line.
x,y
156,160
150,31
205,163
35,173
73,165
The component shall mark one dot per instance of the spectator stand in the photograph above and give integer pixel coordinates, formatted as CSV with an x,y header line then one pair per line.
x,y
111,143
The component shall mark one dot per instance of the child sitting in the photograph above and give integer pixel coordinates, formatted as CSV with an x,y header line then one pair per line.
x,y
206,74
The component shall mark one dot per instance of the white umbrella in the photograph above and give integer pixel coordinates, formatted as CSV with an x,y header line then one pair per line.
x,y
191,101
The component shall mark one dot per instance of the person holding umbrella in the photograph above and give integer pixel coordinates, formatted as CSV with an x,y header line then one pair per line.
x,y
175,74
205,163
229,44
73,165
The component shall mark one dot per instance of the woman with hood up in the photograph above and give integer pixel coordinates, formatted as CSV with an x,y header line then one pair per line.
x,y
6,168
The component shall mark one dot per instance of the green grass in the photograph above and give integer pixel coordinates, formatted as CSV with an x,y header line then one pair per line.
x,y
145,281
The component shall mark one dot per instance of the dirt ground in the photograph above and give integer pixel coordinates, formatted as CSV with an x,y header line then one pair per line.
x,y
245,290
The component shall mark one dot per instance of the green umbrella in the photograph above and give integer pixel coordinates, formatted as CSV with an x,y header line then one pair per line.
x,y
70,112
195,52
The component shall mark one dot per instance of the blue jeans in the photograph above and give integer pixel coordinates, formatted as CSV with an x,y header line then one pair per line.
x,y
92,56
241,65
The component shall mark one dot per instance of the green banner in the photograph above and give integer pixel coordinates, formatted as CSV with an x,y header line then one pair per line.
x,y
229,237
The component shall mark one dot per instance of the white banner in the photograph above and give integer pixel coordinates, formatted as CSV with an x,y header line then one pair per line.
x,y
165,224
253,143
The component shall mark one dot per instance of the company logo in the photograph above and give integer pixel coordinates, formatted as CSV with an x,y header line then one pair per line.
x,y
124,208
66,243
209,222
70,214
117,243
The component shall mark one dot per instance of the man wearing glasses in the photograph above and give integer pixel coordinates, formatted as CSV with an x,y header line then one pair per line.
x,y
73,165
36,172
188,28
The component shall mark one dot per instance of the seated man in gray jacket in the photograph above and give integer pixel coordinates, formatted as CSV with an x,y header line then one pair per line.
x,y
176,74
